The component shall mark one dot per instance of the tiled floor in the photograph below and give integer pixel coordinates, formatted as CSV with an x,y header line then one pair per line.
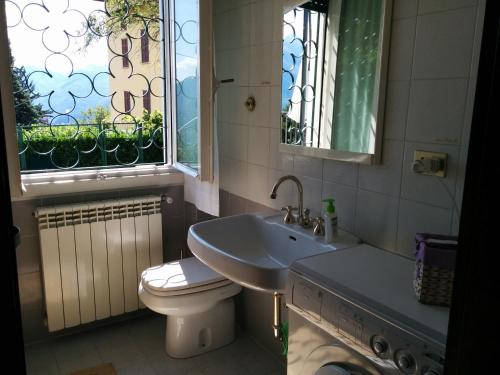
x,y
137,347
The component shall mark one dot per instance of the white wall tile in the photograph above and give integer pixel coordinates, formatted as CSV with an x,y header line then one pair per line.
x,y
275,108
455,224
235,112
261,22
221,34
222,103
287,194
238,20
430,6
404,8
237,177
443,45
223,138
225,5
376,219
415,218
345,203
277,64
309,167
401,49
224,174
396,109
258,146
237,147
258,190
340,172
429,189
435,46
277,20
259,73
260,115
386,177
436,111
278,160
238,69
462,164
312,194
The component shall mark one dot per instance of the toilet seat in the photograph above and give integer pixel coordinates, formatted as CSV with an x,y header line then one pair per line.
x,y
186,276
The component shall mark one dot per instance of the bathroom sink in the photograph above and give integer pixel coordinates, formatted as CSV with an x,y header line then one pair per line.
x,y
256,250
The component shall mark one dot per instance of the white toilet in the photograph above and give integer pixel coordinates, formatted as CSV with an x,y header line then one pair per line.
x,y
197,301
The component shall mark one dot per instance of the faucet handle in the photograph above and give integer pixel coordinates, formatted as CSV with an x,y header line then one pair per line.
x,y
289,218
306,220
319,227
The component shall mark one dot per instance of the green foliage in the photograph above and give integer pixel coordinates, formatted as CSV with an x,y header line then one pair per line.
x,y
96,145
27,113
98,116
123,14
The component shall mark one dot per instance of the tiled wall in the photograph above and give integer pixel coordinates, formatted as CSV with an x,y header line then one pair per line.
x,y
28,253
432,68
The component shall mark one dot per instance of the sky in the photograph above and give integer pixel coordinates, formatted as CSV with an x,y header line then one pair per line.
x,y
27,44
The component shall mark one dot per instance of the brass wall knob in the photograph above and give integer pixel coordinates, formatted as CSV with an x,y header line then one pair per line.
x,y
250,103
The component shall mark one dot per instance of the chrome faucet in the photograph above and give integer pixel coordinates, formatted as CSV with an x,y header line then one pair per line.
x,y
302,219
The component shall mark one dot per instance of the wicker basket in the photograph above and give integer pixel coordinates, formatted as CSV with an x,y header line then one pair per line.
x,y
434,268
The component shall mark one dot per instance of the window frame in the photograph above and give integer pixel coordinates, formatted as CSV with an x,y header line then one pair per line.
x,y
33,185
205,93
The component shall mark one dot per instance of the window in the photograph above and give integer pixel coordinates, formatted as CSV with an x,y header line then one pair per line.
x,y
304,30
78,83
146,100
126,102
125,53
144,46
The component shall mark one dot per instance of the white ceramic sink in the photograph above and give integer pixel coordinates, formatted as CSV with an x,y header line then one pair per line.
x,y
256,250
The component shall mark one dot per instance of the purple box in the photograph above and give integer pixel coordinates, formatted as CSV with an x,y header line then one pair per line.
x,y
434,267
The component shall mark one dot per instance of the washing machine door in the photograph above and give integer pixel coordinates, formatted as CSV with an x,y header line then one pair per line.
x,y
337,360
332,370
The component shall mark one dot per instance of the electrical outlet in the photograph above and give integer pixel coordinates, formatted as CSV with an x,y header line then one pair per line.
x,y
430,163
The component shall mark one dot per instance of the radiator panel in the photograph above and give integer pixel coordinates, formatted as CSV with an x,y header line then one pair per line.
x,y
115,266
142,247
83,246
129,265
100,269
69,276
93,255
52,278
155,240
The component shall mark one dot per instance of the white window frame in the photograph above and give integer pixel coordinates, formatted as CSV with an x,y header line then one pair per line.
x,y
33,185
205,94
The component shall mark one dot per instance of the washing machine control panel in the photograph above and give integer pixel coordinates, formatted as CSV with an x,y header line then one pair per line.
x,y
393,348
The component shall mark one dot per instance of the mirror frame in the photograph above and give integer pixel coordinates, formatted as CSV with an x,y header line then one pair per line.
x,y
379,96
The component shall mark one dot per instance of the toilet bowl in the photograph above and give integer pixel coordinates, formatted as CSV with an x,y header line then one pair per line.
x,y
198,304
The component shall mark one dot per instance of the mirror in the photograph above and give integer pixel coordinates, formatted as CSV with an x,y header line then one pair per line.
x,y
333,78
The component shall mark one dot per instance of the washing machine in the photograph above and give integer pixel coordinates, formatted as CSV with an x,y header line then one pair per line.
x,y
353,312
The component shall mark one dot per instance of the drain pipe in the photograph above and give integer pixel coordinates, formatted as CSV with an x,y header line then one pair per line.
x,y
277,316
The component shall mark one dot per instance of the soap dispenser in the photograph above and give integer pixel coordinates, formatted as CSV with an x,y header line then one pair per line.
x,y
331,221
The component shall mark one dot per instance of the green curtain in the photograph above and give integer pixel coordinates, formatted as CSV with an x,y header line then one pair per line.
x,y
355,75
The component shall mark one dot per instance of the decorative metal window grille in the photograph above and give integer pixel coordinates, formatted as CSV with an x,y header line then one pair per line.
x,y
124,52
126,97
304,35
82,56
144,46
146,100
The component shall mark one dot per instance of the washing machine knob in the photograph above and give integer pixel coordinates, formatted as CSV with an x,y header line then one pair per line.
x,y
405,362
379,346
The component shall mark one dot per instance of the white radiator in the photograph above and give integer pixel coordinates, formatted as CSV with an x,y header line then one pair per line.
x,y
93,255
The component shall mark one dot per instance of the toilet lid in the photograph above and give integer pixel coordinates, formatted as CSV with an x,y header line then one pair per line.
x,y
188,275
